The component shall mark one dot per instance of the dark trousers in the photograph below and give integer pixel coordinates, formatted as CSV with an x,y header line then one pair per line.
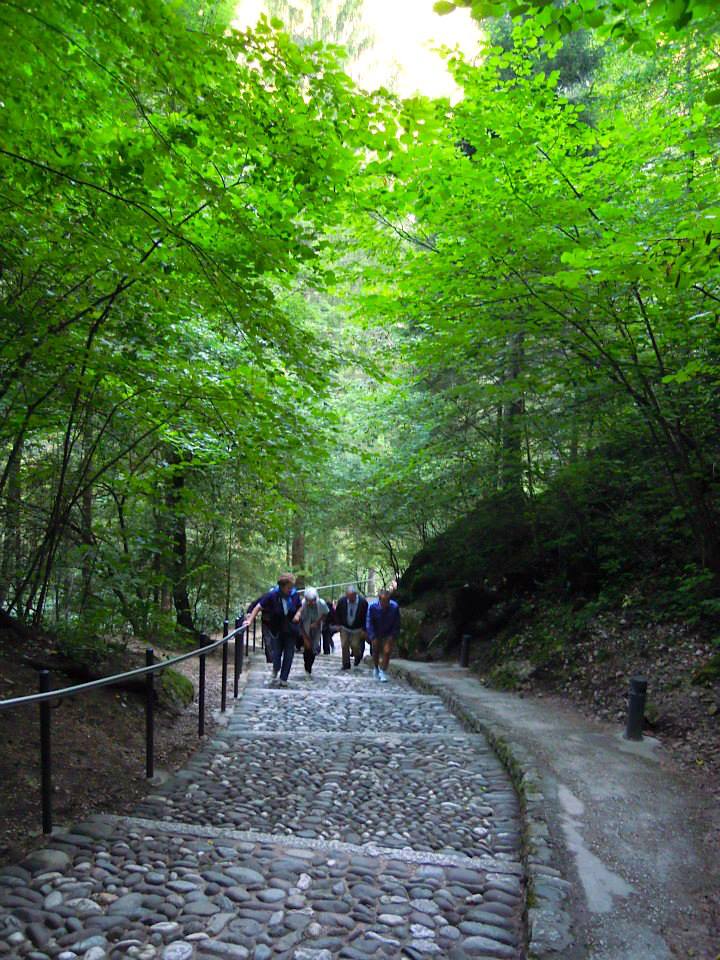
x,y
311,648
309,658
328,644
283,653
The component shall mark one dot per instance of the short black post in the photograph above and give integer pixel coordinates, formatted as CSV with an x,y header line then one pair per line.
x,y
465,650
149,716
223,682
247,637
636,708
45,754
254,634
238,643
201,689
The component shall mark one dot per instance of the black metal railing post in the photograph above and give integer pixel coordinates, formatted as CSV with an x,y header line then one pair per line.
x,y
46,698
201,689
149,716
45,754
223,681
247,637
636,708
254,635
238,647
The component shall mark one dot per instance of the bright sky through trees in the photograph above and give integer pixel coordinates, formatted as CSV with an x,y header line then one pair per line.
x,y
406,36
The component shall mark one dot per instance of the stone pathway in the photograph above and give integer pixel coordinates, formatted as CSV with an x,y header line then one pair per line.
x,y
336,818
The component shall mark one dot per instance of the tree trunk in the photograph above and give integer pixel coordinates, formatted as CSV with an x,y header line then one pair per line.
x,y
86,514
178,541
298,545
12,538
512,464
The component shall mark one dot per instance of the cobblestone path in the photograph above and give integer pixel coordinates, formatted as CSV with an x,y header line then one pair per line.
x,y
336,818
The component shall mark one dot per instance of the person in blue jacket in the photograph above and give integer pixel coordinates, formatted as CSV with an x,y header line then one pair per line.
x,y
383,629
279,607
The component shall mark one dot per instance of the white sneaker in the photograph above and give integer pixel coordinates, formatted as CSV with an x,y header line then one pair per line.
x,y
283,683
382,676
308,676
376,673
275,675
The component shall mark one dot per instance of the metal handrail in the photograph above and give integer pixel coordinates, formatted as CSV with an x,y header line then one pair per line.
x,y
45,695
115,678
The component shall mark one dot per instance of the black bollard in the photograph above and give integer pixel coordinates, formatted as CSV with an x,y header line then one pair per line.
x,y
636,708
465,650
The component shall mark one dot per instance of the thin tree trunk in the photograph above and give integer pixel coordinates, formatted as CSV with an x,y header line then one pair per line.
x,y
12,533
178,525
512,422
86,514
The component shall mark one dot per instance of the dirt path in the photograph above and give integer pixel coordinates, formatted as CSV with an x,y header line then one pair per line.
x,y
638,842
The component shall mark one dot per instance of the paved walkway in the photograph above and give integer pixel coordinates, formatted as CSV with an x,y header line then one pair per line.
x,y
335,818
639,845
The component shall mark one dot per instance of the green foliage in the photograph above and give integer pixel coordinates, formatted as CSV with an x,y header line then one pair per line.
x,y
505,677
175,690
410,631
169,182
709,673
253,317
83,643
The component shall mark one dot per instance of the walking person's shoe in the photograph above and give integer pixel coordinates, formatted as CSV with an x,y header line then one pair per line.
x,y
382,676
283,683
376,673
274,677
308,675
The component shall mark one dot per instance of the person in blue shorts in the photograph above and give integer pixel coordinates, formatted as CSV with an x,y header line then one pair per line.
x,y
383,629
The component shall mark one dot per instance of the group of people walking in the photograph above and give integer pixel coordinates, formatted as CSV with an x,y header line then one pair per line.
x,y
291,619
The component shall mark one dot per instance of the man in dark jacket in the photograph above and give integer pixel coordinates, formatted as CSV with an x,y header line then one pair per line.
x,y
279,607
350,616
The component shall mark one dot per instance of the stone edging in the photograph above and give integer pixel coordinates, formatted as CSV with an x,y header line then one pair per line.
x,y
548,916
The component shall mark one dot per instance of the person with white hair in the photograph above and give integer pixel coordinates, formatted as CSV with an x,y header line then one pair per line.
x,y
310,616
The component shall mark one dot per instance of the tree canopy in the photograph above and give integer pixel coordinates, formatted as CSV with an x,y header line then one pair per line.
x,y
256,316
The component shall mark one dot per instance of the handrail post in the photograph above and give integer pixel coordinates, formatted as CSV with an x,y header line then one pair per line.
x,y
149,716
636,708
254,634
247,637
201,689
238,643
45,754
223,682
